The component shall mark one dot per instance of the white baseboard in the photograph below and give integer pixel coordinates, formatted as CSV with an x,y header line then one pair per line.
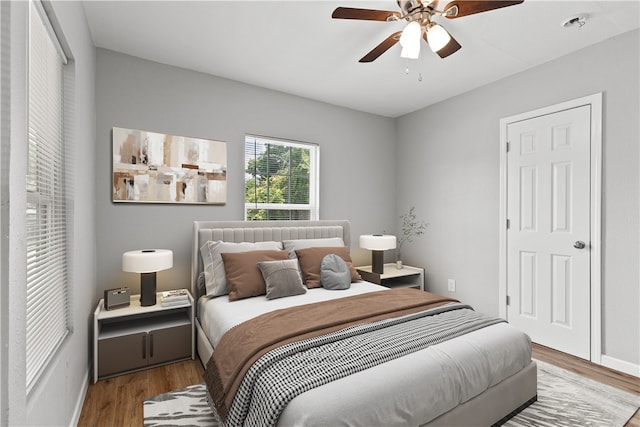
x,y
621,365
80,402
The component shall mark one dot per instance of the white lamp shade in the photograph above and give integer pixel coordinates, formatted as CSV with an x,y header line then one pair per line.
x,y
410,53
377,242
147,260
410,40
438,37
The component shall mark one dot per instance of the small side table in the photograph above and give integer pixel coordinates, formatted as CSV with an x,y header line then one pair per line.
x,y
393,277
135,337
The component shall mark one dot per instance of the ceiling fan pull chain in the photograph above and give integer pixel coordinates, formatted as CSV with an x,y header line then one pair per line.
x,y
406,71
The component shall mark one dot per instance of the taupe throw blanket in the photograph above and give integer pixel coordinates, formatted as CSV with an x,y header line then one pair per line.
x,y
241,346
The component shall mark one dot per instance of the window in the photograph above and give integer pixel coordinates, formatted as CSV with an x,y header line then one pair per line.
x,y
281,179
47,318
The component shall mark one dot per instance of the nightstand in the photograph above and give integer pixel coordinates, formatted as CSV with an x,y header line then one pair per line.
x,y
135,337
393,277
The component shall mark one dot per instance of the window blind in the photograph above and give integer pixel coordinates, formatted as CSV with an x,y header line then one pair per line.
x,y
281,179
47,314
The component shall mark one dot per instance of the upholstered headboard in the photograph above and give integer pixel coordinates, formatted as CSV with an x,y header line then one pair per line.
x,y
260,231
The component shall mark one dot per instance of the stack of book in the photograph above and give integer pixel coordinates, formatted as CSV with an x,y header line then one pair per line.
x,y
175,297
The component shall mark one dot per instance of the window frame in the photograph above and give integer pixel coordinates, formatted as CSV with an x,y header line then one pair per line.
x,y
48,211
313,207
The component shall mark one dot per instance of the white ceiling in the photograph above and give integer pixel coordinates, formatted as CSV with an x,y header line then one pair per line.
x,y
297,48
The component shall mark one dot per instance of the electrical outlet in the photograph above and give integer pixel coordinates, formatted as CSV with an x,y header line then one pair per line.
x,y
451,285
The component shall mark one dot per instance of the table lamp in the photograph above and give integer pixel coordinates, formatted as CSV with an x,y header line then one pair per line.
x,y
147,262
377,244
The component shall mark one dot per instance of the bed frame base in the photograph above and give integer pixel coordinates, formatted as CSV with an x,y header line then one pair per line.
x,y
203,346
509,396
517,411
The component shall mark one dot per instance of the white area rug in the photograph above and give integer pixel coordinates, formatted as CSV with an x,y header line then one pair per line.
x,y
564,399
188,406
568,399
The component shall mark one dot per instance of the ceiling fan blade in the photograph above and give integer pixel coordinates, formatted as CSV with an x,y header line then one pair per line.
x,y
381,48
470,7
452,47
364,14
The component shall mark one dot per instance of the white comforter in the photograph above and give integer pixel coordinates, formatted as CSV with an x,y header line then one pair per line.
x,y
411,390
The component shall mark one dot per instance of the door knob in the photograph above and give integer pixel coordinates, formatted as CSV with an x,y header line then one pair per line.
x,y
579,245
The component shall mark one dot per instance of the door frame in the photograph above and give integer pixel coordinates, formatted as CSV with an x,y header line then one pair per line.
x,y
595,102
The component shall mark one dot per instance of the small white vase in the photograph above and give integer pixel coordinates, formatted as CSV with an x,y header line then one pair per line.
x,y
399,264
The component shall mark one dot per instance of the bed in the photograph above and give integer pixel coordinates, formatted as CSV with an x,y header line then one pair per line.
x,y
478,377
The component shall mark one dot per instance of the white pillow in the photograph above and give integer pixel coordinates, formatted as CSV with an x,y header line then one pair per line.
x,y
214,275
293,245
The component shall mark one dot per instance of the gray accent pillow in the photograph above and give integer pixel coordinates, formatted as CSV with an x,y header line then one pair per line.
x,y
334,273
282,278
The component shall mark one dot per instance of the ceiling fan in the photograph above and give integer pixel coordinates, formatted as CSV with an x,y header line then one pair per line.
x,y
419,15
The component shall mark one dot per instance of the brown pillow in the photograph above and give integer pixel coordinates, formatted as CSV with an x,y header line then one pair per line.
x,y
310,260
244,278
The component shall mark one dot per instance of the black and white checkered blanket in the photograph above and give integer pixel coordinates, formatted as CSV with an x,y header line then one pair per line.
x,y
282,374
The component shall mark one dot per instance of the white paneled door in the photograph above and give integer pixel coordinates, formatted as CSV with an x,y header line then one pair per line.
x,y
548,241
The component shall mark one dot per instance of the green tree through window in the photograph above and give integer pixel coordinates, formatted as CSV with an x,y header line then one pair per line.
x,y
280,179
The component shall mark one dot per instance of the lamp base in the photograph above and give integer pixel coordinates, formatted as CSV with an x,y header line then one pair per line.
x,y
147,289
377,262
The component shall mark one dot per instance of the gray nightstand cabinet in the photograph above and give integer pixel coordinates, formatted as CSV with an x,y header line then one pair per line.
x,y
135,337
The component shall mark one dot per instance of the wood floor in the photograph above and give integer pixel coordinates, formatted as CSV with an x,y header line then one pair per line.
x,y
118,401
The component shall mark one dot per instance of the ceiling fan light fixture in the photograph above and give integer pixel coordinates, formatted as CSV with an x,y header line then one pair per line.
x,y
412,52
438,37
419,14
410,40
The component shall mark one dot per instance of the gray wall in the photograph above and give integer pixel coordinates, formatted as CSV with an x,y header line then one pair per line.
x,y
356,157
57,398
448,164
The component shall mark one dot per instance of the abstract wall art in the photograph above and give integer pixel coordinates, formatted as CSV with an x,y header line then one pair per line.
x,y
151,167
